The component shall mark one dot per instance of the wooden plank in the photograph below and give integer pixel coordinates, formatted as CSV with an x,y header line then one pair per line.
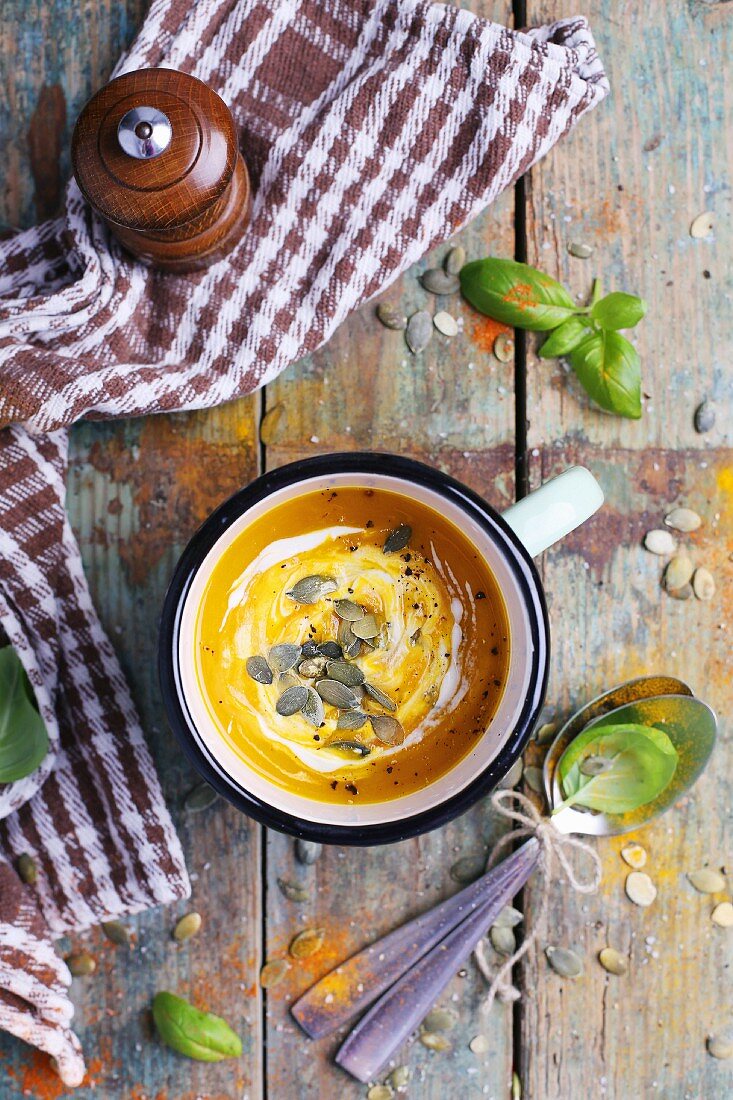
x,y
451,406
629,183
137,491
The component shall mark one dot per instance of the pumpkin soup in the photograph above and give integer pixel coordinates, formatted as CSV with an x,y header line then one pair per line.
x,y
351,645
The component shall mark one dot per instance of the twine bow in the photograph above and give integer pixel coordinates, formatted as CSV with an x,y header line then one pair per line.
x,y
554,845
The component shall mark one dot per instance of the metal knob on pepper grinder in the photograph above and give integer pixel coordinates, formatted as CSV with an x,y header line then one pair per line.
x,y
155,153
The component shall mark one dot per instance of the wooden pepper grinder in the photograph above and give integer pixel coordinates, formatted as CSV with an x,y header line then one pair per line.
x,y
155,153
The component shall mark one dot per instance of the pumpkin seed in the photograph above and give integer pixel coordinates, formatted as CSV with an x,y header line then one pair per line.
x,y
439,1019
702,225
508,918
309,649
307,943
357,747
332,650
432,1041
200,798
678,572
533,779
479,1045
564,962
365,628
545,733
380,1092
27,870
721,1046
313,711
683,593
419,331
504,347
347,674
347,609
660,542
259,670
270,423
273,972
595,765
313,667
640,889
704,419
634,855
683,519
293,891
351,720
516,1086
613,961
397,539
437,281
454,260
283,657
391,317
513,776
703,584
399,1077
722,915
706,880
351,645
338,695
503,940
291,701
81,963
468,868
117,932
378,696
388,729
580,251
445,323
309,590
186,927
307,851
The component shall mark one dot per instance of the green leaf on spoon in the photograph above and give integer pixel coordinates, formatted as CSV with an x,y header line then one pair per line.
x,y
642,761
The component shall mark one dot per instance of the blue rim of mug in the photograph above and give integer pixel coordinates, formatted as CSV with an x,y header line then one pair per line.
x,y
357,463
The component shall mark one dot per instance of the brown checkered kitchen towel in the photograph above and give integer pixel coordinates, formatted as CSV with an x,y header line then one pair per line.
x,y
373,129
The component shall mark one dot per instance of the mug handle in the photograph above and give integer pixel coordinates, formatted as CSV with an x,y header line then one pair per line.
x,y
555,509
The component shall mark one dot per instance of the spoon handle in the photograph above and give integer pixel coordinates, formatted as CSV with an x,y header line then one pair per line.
x,y
398,1012
354,984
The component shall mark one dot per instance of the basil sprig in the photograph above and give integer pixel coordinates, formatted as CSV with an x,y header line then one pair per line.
x,y
616,768
606,364
23,736
199,1035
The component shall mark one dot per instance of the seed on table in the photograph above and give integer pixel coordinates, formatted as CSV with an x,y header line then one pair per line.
x,y
678,572
634,855
640,889
703,584
502,939
307,943
721,1046
533,778
380,1092
468,868
479,1045
399,1077
683,593
702,225
566,963
187,927
419,331
613,961
391,317
504,347
706,880
117,933
508,918
545,733
293,891
454,260
580,251
307,851
513,776
270,423
273,972
437,281
200,798
445,323
683,519
81,963
660,542
704,419
27,870
433,1041
722,915
516,1086
439,1019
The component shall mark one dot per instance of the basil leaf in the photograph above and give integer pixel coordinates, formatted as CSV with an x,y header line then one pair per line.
x,y
564,338
199,1035
516,294
618,310
23,736
609,369
642,762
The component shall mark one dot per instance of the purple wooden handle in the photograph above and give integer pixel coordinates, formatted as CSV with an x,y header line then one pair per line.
x,y
398,1012
353,985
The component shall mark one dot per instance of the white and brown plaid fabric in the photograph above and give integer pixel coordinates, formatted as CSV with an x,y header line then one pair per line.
x,y
373,130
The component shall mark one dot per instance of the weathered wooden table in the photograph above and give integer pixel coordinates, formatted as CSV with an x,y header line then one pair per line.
x,y
628,182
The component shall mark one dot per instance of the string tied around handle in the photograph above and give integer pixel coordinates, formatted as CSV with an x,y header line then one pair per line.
x,y
555,846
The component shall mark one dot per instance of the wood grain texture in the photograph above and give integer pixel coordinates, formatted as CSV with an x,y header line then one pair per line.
x,y
629,183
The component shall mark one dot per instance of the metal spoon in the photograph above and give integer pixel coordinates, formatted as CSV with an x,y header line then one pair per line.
x,y
412,967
